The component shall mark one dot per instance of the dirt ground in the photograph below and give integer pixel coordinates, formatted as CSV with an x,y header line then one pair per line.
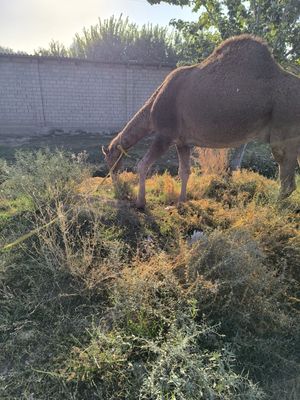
x,y
90,143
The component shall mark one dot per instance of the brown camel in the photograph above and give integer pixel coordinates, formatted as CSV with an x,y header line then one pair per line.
x,y
237,94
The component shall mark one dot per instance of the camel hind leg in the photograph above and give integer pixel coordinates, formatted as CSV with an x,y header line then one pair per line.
x,y
286,157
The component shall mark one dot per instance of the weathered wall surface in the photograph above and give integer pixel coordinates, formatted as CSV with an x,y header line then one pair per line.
x,y
41,94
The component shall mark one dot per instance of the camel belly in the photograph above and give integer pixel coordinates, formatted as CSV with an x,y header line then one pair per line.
x,y
225,135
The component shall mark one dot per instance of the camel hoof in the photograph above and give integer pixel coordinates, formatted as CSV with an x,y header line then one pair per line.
x,y
181,200
140,206
284,195
281,197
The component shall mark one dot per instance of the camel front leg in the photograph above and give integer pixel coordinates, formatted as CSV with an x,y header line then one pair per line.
x,y
184,155
159,146
287,160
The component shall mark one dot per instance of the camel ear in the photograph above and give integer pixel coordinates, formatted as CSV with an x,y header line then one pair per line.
x,y
104,151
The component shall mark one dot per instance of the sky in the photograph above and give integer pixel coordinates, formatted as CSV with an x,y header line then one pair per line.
x,y
26,25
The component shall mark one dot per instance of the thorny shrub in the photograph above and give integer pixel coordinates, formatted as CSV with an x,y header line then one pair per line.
x,y
148,343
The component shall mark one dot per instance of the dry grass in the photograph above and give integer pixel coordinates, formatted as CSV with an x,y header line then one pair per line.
x,y
212,161
164,188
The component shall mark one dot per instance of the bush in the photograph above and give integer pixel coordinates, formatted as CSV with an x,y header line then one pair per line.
x,y
148,344
210,373
43,176
234,286
38,187
4,170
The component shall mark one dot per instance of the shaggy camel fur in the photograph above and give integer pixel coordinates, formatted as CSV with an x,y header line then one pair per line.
x,y
237,94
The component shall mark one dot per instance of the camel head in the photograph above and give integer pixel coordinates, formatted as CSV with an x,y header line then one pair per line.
x,y
113,157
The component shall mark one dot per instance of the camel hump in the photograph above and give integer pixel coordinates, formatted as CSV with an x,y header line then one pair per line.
x,y
246,52
242,42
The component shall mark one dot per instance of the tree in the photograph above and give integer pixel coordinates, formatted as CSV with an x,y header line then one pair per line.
x,y
55,49
118,40
277,21
6,50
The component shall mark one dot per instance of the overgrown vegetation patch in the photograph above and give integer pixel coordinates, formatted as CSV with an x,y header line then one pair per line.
x,y
112,303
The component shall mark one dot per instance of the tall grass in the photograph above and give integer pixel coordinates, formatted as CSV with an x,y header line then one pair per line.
x,y
212,161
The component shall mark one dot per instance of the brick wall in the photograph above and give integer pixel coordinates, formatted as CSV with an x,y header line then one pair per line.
x,y
38,94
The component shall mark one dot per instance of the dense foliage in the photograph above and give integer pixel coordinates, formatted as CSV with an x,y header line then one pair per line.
x,y
5,50
192,302
118,40
276,21
8,50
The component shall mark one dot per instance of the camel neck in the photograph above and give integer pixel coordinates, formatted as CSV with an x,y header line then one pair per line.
x,y
136,129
